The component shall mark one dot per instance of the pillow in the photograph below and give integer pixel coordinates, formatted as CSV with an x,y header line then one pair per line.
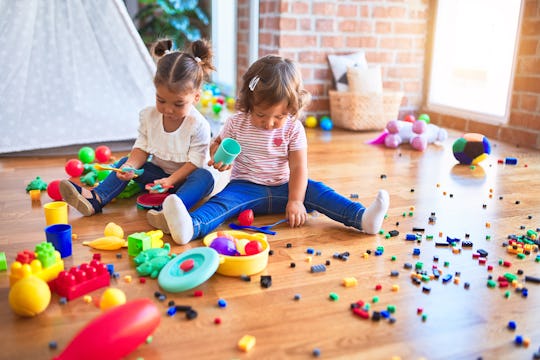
x,y
365,80
339,65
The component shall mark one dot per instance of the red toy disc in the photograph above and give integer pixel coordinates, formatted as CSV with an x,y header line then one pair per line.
x,y
151,201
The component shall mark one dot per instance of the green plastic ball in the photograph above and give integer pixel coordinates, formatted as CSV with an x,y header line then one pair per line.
x,y
424,117
87,155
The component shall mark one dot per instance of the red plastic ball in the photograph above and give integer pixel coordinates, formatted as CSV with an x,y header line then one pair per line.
x,y
246,217
74,167
409,118
253,247
53,190
103,154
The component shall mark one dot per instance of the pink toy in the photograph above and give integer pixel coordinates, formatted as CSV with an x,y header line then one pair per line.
x,y
115,333
418,134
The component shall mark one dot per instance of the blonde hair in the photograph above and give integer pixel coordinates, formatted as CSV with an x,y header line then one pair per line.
x,y
269,81
182,71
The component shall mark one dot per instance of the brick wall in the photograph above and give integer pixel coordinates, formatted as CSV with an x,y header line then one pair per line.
x,y
393,34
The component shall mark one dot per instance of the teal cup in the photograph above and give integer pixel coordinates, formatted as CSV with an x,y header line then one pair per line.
x,y
227,151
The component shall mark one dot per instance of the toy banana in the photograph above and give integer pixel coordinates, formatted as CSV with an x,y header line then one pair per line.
x,y
106,243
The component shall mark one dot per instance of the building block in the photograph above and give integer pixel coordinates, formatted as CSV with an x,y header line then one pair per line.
x,y
138,242
3,261
80,280
46,263
246,343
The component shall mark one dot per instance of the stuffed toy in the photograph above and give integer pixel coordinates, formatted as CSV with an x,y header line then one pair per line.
x,y
418,133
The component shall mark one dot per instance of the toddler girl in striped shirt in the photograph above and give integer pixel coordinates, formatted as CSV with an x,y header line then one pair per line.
x,y
270,175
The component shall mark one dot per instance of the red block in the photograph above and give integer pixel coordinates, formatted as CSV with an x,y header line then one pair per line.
x,y
81,280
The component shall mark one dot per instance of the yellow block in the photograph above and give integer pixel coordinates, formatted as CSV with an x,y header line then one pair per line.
x,y
246,343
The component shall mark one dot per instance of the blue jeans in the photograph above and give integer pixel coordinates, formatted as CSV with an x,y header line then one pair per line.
x,y
240,195
197,185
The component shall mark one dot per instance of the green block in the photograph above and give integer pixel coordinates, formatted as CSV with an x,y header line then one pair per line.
x,y
510,277
45,253
391,309
138,242
3,261
491,283
334,296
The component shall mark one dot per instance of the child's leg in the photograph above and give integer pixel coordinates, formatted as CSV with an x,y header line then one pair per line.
x,y
236,197
325,200
90,202
197,185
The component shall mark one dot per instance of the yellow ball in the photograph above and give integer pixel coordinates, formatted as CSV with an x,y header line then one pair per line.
x,y
311,122
112,297
29,296
111,229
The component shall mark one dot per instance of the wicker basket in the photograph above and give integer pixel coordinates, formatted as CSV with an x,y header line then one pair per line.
x,y
357,111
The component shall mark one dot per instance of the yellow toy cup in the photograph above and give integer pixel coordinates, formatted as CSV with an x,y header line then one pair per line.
x,y
241,265
56,212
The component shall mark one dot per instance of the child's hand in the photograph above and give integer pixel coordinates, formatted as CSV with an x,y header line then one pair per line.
x,y
219,166
125,175
296,213
165,185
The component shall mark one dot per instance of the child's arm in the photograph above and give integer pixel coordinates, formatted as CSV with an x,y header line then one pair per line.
x,y
296,211
178,176
136,159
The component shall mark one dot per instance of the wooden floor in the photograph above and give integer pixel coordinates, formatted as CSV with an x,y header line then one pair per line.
x,y
482,205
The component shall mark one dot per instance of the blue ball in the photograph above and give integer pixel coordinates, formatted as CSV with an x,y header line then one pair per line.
x,y
326,123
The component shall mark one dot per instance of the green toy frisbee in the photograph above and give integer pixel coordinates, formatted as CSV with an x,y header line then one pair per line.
x,y
189,269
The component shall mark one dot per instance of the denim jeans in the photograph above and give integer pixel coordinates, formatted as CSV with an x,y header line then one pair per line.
x,y
197,185
240,195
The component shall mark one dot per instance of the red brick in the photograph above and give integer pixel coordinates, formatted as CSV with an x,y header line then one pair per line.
x,y
326,8
392,12
333,41
300,7
324,25
528,47
413,28
298,41
361,42
527,83
347,10
530,27
529,102
287,23
529,65
396,43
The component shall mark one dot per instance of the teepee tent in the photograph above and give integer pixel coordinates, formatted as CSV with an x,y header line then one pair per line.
x,y
71,72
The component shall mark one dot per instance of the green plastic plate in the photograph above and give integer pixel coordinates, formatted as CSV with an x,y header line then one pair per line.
x,y
173,279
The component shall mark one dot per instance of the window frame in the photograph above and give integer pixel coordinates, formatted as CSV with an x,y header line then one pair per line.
x,y
429,106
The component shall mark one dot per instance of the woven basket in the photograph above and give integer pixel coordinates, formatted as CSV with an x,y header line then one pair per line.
x,y
361,111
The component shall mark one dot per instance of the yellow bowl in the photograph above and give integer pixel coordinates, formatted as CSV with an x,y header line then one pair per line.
x,y
241,265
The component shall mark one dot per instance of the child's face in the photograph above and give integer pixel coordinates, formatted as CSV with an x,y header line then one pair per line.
x,y
269,117
174,106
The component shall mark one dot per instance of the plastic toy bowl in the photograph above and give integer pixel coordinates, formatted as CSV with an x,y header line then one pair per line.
x,y
241,265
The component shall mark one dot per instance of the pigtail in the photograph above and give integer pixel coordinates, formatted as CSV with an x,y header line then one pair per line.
x,y
160,48
203,54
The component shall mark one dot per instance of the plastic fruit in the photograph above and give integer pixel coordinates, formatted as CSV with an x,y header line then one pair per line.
x,y
111,229
246,217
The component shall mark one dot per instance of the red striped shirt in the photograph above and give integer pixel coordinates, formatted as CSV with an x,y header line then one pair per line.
x,y
264,158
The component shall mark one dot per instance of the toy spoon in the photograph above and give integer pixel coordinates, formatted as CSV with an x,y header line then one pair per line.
x,y
263,229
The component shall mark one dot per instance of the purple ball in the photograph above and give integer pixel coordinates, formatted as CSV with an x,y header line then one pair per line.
x,y
224,246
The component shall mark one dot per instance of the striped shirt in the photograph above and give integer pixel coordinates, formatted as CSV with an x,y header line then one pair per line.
x,y
264,158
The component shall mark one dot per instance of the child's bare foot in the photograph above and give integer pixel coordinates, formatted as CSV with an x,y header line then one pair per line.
x,y
178,220
157,219
374,214
84,200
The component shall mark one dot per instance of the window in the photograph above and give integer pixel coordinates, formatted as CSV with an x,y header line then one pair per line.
x,y
473,54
